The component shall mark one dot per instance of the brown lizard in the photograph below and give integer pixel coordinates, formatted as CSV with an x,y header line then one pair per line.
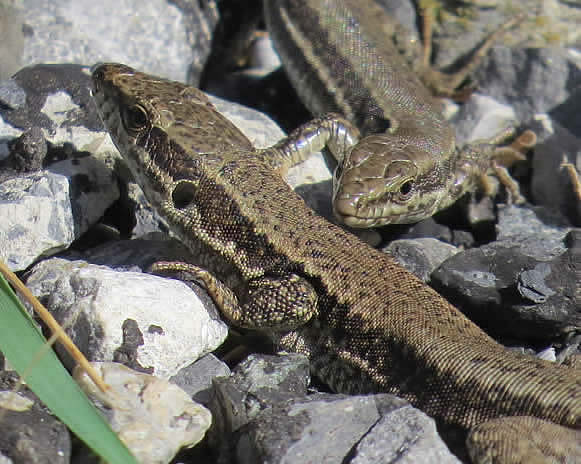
x,y
346,56
270,263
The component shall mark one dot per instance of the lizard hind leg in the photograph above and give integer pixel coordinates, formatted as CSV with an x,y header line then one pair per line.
x,y
503,156
277,303
449,84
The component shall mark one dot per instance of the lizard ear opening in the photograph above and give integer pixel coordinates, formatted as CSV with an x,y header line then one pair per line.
x,y
134,118
183,194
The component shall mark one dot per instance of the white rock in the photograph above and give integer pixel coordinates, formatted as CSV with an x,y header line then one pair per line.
x,y
84,31
166,325
153,417
44,212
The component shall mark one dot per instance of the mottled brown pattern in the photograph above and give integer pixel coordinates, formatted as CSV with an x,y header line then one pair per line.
x,y
375,326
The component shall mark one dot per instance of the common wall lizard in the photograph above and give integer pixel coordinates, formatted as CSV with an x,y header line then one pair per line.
x,y
343,56
270,263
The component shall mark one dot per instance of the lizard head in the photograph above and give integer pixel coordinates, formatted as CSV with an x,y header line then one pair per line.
x,y
136,110
387,180
166,131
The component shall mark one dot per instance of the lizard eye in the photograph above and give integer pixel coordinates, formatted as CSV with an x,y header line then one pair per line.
x,y
406,189
134,118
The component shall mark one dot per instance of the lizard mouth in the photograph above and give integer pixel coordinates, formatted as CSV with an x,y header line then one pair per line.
x,y
364,211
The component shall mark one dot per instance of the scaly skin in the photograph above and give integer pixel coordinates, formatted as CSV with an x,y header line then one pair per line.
x,y
345,56
272,264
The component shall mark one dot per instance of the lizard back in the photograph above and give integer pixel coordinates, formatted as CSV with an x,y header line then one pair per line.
x,y
377,327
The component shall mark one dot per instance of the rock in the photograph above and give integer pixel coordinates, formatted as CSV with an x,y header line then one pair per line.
x,y
519,77
256,384
153,417
45,211
28,151
481,118
173,38
149,323
420,256
403,435
11,39
336,428
510,293
196,379
130,255
263,410
537,232
429,228
29,433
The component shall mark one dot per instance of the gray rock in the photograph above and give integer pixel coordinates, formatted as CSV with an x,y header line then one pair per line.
x,y
11,39
29,433
403,436
49,209
459,30
332,428
509,293
256,384
429,228
165,38
58,101
537,232
28,151
44,212
481,118
196,379
137,254
11,94
149,323
519,77
421,256
147,220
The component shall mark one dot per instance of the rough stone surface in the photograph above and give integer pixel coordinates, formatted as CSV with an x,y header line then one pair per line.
x,y
136,254
44,212
29,433
196,379
508,292
256,384
148,323
404,435
81,31
11,40
422,255
28,151
328,428
519,77
153,417
537,232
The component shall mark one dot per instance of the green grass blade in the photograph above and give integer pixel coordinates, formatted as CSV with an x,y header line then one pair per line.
x,y
21,343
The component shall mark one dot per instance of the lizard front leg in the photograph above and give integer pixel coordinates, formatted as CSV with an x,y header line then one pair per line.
x,y
279,303
330,131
